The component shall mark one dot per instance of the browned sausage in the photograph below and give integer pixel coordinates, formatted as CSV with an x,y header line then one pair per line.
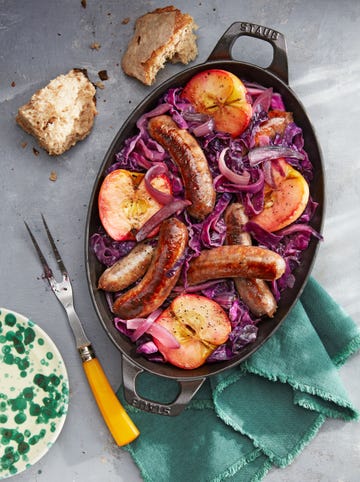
x,y
256,295
255,292
191,161
235,261
235,219
128,269
162,275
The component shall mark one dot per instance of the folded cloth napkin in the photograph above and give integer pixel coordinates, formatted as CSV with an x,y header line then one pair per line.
x,y
258,414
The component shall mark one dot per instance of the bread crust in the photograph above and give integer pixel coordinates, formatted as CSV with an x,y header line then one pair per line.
x,y
165,34
61,113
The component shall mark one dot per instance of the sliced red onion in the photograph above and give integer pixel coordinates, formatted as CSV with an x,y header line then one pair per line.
x,y
268,174
254,91
222,186
204,129
143,328
147,348
253,88
199,124
109,300
269,153
119,321
143,324
163,213
263,101
195,117
147,325
120,325
163,336
235,178
158,110
157,170
134,323
199,287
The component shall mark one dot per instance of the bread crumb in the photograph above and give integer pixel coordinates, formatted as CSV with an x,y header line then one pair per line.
x,y
61,113
53,176
100,85
13,84
35,151
95,46
103,75
165,34
23,144
83,3
125,21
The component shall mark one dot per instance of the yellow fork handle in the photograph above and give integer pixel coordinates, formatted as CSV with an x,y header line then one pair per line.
x,y
118,421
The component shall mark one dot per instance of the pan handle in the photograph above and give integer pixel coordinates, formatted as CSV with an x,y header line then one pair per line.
x,y
279,64
188,389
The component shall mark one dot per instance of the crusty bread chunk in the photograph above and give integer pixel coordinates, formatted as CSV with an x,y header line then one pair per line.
x,y
162,35
60,114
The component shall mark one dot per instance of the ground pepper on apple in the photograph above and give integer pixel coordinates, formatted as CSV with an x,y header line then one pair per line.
x,y
196,325
221,95
199,325
285,200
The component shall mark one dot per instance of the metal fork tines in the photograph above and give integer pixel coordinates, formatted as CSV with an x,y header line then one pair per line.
x,y
120,424
62,289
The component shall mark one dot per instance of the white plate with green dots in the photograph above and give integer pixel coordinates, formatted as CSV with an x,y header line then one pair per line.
x,y
34,393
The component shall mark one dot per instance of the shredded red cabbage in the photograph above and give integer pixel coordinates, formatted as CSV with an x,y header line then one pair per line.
x,y
107,250
140,153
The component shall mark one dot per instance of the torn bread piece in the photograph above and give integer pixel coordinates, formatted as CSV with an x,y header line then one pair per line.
x,y
62,113
163,35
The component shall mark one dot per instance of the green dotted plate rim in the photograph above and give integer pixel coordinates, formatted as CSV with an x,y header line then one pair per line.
x,y
51,436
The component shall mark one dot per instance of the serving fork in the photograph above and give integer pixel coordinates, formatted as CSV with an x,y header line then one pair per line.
x,y
116,418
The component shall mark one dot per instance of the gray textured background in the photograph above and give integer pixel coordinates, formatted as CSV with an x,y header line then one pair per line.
x,y
39,40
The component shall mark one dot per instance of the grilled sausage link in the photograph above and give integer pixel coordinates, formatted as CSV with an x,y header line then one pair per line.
x,y
191,161
255,292
162,275
235,219
128,269
234,262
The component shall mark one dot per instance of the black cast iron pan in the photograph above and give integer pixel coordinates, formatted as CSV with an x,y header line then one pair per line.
x,y
276,76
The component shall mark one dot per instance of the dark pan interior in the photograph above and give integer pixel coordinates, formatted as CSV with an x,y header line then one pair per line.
x,y
268,326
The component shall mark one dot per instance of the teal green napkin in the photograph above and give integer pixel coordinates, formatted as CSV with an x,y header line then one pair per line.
x,y
259,414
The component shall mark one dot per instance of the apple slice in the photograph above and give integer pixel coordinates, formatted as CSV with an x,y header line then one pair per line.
x,y
200,325
221,95
125,204
285,203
